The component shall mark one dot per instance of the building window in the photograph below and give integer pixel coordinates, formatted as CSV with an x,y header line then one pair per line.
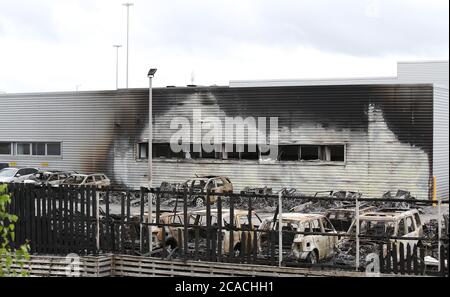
x,y
195,151
309,152
5,148
233,154
23,148
337,153
288,152
53,148
329,153
143,150
30,148
38,148
159,150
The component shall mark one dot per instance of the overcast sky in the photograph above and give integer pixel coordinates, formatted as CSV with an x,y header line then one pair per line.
x,y
54,45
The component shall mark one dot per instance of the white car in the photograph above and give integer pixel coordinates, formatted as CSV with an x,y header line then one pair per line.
x,y
96,179
16,175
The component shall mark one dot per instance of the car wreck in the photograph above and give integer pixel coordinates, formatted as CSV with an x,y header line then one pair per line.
x,y
44,178
199,186
375,230
96,179
310,248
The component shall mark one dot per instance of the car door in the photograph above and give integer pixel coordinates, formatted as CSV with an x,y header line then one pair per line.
x,y
411,230
330,240
320,241
23,174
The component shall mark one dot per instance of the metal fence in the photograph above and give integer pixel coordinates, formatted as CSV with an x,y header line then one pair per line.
x,y
84,220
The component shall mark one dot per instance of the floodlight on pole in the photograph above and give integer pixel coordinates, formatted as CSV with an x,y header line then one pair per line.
x,y
128,33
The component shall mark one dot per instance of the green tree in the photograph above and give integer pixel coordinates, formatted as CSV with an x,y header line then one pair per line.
x,y
9,255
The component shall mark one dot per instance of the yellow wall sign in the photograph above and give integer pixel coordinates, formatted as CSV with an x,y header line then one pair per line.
x,y
44,164
12,164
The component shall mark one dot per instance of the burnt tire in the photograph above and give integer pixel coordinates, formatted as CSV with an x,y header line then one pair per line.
x,y
312,258
199,202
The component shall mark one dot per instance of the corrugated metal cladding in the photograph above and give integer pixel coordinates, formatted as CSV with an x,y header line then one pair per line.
x,y
423,72
440,141
387,130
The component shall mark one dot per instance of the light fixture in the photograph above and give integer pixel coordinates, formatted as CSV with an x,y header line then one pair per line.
x,y
151,72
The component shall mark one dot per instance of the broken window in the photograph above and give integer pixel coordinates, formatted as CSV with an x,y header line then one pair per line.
x,y
143,150
161,150
250,155
195,151
5,148
330,153
410,225
208,155
337,153
288,152
401,228
233,154
309,152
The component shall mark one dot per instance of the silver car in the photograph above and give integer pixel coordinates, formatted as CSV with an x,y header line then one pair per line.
x,y
16,175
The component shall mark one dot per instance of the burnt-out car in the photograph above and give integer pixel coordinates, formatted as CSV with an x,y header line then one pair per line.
x,y
48,177
173,236
342,217
376,229
310,248
199,186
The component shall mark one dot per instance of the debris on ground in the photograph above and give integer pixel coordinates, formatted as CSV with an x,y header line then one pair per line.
x,y
345,252
401,194
323,205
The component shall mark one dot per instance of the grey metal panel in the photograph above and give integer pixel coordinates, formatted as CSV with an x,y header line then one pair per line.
x,y
423,72
440,141
387,130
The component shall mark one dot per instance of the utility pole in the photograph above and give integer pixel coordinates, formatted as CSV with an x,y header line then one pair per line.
x,y
117,64
150,75
128,33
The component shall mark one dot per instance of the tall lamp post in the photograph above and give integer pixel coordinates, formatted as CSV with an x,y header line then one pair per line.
x,y
117,64
128,31
151,74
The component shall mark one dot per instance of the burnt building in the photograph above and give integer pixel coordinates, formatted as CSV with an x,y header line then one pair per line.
x,y
367,135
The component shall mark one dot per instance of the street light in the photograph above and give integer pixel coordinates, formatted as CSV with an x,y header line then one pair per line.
x,y
151,74
128,31
117,64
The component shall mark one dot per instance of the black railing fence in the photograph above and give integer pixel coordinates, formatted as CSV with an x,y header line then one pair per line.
x,y
229,227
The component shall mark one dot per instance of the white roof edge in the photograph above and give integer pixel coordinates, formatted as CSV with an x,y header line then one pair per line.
x,y
314,82
440,86
424,61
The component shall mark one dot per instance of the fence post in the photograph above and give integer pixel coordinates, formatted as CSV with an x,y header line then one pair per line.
x,y
141,221
357,235
280,229
97,218
439,231
150,220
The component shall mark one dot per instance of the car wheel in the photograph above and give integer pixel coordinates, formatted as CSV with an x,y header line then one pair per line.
x,y
312,258
199,202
